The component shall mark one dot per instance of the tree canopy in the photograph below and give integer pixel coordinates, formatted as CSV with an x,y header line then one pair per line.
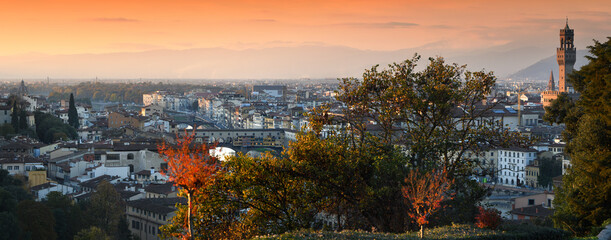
x,y
191,167
50,128
585,196
350,168
106,208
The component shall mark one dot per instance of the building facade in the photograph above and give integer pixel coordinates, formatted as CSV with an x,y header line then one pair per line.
x,y
512,164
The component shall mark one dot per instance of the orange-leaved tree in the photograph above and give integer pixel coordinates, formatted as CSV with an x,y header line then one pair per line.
x,y
191,168
424,192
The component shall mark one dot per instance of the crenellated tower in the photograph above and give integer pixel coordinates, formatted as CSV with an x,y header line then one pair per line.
x,y
566,56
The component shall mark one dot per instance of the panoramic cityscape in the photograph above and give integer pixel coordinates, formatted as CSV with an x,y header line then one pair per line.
x,y
305,120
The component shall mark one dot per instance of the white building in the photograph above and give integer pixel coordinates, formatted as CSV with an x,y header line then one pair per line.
x,y
166,100
41,191
511,165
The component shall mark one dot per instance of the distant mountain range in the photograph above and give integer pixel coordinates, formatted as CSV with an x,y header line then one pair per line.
x,y
541,69
308,61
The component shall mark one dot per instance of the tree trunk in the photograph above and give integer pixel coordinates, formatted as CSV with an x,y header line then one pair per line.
x,y
421,231
189,220
339,223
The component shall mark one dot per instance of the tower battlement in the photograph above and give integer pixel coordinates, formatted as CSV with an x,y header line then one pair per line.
x,y
566,55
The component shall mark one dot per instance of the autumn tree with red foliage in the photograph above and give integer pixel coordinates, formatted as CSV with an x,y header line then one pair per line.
x,y
191,168
488,218
424,192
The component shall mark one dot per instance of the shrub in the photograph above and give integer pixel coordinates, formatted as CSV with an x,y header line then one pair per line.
x,y
453,232
488,218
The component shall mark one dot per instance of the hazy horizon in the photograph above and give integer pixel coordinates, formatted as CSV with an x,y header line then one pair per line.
x,y
240,39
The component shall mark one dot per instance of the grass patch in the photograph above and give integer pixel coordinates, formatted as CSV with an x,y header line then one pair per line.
x,y
455,232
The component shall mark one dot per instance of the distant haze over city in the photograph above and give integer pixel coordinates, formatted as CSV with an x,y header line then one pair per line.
x,y
283,40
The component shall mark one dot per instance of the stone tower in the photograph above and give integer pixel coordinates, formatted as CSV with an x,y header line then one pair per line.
x,y
566,56
550,84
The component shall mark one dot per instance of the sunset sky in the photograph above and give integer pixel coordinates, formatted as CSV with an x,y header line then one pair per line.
x,y
76,27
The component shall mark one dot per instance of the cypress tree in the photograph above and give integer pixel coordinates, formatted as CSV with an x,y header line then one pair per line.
x,y
15,117
585,196
23,121
72,113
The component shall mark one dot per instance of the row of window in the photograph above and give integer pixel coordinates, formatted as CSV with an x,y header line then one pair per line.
x,y
147,228
148,213
511,167
559,149
238,134
532,173
512,160
130,156
512,174
12,167
513,154
16,168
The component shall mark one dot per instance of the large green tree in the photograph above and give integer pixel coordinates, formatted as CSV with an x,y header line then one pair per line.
x,y
12,192
50,128
35,220
351,166
73,119
69,219
585,196
105,209
399,119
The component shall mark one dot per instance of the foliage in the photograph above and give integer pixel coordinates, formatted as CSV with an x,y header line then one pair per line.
x,y
355,179
455,232
23,120
50,128
463,207
421,120
69,219
15,116
582,201
15,189
11,193
35,220
8,223
347,170
92,233
123,232
6,130
548,169
73,119
105,209
86,92
488,218
424,192
561,110
276,201
190,167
